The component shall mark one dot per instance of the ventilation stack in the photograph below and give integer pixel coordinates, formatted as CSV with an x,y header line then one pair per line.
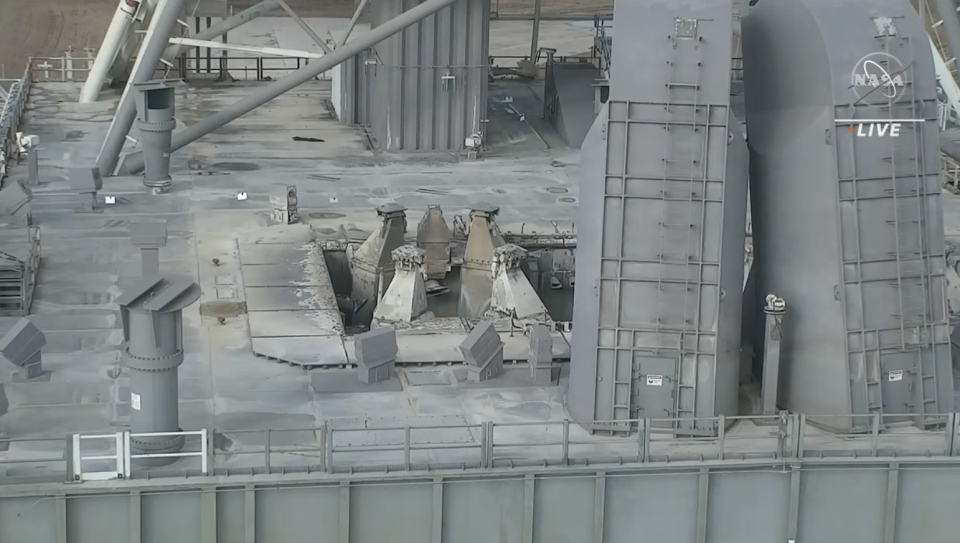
x,y
406,297
152,317
849,229
663,199
372,263
513,296
155,109
476,282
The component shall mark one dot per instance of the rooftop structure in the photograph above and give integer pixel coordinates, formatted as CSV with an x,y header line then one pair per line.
x,y
381,304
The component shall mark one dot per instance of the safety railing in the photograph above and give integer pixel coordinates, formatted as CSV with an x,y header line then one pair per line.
x,y
247,68
335,448
119,455
14,104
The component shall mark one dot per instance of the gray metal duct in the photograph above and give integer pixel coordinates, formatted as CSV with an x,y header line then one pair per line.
x,y
161,28
133,162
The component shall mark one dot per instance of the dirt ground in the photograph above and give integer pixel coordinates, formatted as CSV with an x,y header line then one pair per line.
x,y
48,27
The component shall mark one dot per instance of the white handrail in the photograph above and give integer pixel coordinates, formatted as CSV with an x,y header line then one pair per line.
x,y
123,456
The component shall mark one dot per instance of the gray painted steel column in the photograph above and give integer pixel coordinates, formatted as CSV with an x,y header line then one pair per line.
x,y
152,315
134,162
772,339
535,37
947,10
33,166
155,108
161,28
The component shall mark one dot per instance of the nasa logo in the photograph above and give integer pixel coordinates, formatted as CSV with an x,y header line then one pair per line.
x,y
879,75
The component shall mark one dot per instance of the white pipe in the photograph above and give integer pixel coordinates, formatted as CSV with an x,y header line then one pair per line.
x,y
190,42
113,41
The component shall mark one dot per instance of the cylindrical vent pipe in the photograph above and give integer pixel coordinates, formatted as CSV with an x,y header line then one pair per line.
x,y
152,314
155,109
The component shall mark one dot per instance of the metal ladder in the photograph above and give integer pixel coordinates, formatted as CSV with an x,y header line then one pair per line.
x,y
911,249
685,30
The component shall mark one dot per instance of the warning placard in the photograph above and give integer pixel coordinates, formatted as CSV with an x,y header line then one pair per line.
x,y
895,375
654,380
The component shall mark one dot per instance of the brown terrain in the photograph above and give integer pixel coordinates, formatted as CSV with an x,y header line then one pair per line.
x,y
46,28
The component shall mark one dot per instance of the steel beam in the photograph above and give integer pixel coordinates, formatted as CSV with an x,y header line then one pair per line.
x,y
154,43
947,10
190,42
306,28
133,162
226,25
113,42
353,22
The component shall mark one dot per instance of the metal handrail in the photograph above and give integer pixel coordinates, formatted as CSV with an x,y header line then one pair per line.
x,y
496,445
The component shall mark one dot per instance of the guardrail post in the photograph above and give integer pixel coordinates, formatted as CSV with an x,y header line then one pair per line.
x,y
875,434
483,445
643,440
71,454
721,435
266,449
211,440
406,448
328,449
952,434
565,456
799,432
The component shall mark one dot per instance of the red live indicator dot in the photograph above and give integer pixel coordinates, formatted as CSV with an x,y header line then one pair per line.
x,y
851,129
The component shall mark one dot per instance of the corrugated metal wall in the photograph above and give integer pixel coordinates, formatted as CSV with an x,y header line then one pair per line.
x,y
429,82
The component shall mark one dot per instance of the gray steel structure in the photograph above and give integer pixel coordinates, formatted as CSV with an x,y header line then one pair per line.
x,y
156,101
430,80
153,329
848,229
661,236
162,26
133,162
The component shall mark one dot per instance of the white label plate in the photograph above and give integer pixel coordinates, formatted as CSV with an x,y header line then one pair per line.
x,y
135,401
895,375
654,380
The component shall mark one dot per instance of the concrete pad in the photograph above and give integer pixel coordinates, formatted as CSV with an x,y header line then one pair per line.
x,y
303,351
286,275
288,298
277,254
285,324
346,382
